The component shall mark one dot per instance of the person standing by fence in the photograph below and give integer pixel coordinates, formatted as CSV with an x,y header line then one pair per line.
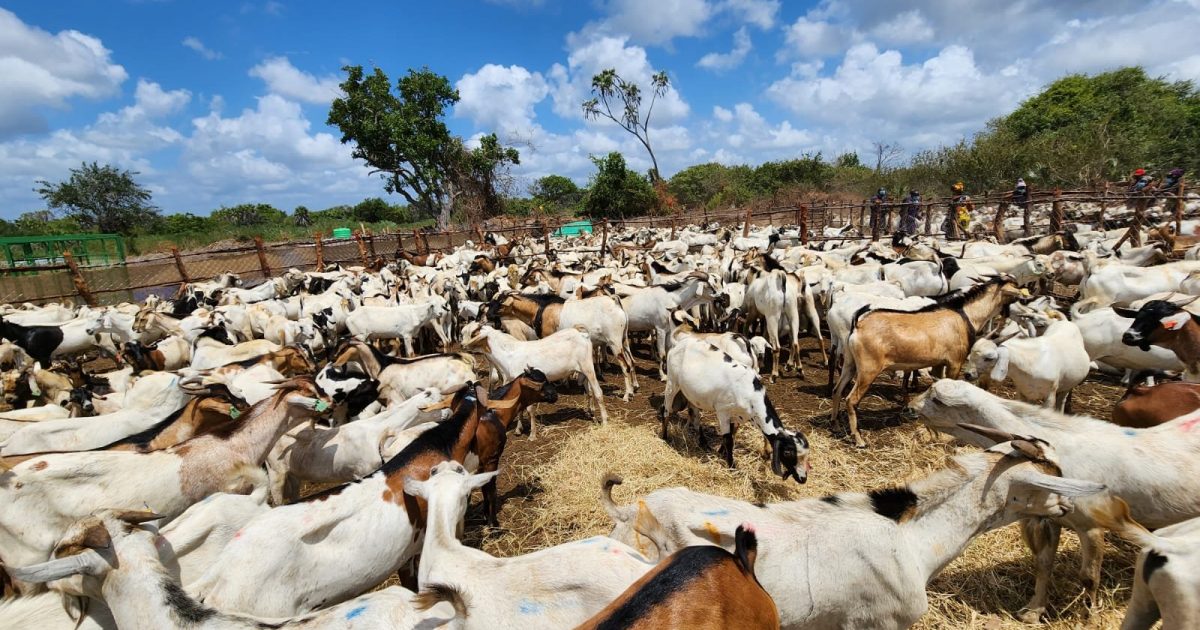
x,y
958,218
881,214
1170,188
910,212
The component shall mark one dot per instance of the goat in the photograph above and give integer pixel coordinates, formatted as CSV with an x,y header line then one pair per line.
x,y
169,353
1149,406
701,587
1166,325
573,580
338,543
1102,329
393,322
602,316
939,335
120,565
1167,575
1044,369
213,348
42,343
44,495
1160,492
701,376
558,356
650,308
894,540
401,379
344,453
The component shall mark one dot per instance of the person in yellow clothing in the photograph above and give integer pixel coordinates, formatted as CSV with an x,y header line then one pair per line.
x,y
961,207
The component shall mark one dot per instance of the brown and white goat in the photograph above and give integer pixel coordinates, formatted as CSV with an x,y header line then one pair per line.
x,y
702,587
1145,406
939,336
1167,325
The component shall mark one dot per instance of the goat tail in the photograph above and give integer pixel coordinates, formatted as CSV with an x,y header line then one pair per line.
x,y
433,594
745,547
1112,513
620,514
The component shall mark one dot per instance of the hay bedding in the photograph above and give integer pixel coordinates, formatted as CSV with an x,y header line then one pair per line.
x,y
550,490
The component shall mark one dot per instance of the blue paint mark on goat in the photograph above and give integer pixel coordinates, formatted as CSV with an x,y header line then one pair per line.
x,y
715,512
528,607
1130,432
355,612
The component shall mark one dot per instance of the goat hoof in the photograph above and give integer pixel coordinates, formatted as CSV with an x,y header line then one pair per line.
x,y
860,443
907,413
1031,615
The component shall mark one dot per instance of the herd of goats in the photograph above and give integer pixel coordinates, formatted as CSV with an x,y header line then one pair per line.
x,y
168,490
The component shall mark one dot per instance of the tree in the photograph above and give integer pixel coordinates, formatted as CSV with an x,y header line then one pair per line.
x,y
101,197
886,154
608,86
249,214
372,210
556,191
617,192
478,176
301,217
401,136
185,222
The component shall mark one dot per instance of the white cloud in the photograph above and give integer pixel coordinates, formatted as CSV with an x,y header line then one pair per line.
x,y
655,22
909,27
39,70
204,51
501,98
289,81
722,114
732,59
760,13
749,130
811,37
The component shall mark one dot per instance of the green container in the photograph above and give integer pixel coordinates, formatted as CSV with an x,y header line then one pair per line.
x,y
575,228
341,233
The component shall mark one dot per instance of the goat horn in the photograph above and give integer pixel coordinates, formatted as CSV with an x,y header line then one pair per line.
x,y
988,432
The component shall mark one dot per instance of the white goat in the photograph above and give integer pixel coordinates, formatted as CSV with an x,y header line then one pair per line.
x,y
1044,369
393,322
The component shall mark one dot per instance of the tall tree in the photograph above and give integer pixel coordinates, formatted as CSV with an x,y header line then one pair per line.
x,y
617,192
101,197
479,175
401,135
556,191
609,89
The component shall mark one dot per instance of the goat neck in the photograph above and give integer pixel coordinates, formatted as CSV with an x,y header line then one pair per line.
x,y
984,306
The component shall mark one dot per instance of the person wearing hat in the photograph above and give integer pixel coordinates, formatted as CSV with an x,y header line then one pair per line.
x,y
1170,188
881,214
910,212
961,207
1140,181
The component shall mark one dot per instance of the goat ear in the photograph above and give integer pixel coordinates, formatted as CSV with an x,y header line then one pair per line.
x,y
988,432
1176,321
415,487
480,480
88,562
1059,485
1128,313
1030,449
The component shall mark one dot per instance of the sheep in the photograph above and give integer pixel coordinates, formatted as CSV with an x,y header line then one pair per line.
x,y
336,544
120,566
939,335
702,587
559,356
854,560
1161,490
1166,580
347,452
1044,369
1166,325
701,376
44,495
552,588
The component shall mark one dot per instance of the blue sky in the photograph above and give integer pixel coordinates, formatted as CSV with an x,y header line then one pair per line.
x,y
220,103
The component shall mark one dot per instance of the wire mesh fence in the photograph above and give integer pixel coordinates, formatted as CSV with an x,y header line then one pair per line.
x,y
163,274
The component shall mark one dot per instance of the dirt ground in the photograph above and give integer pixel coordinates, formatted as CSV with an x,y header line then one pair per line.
x,y
549,487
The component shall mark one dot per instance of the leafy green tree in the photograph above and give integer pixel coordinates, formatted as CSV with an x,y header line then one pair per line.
x,y
556,191
401,135
616,192
477,175
186,222
372,210
249,214
609,90
101,197
45,223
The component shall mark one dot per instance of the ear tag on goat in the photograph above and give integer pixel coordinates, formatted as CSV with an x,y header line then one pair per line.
x,y
1176,321
1024,292
234,414
321,406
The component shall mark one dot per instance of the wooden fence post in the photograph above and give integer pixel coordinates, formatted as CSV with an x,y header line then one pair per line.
x,y
998,222
479,234
1056,212
803,225
1134,233
604,239
746,223
362,248
1179,208
371,245
80,283
320,245
674,224
546,239
1103,208
1028,206
262,257
179,265
876,219
929,215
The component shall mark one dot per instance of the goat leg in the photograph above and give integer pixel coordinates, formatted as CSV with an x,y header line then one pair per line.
x,y
1041,535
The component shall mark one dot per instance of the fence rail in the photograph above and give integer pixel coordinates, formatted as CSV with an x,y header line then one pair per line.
x,y
164,273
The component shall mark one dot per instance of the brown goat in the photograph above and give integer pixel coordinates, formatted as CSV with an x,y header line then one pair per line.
x,y
701,587
1145,406
938,336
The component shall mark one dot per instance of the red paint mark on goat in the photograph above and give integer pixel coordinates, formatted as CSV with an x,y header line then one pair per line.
x,y
40,465
237,534
1190,425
